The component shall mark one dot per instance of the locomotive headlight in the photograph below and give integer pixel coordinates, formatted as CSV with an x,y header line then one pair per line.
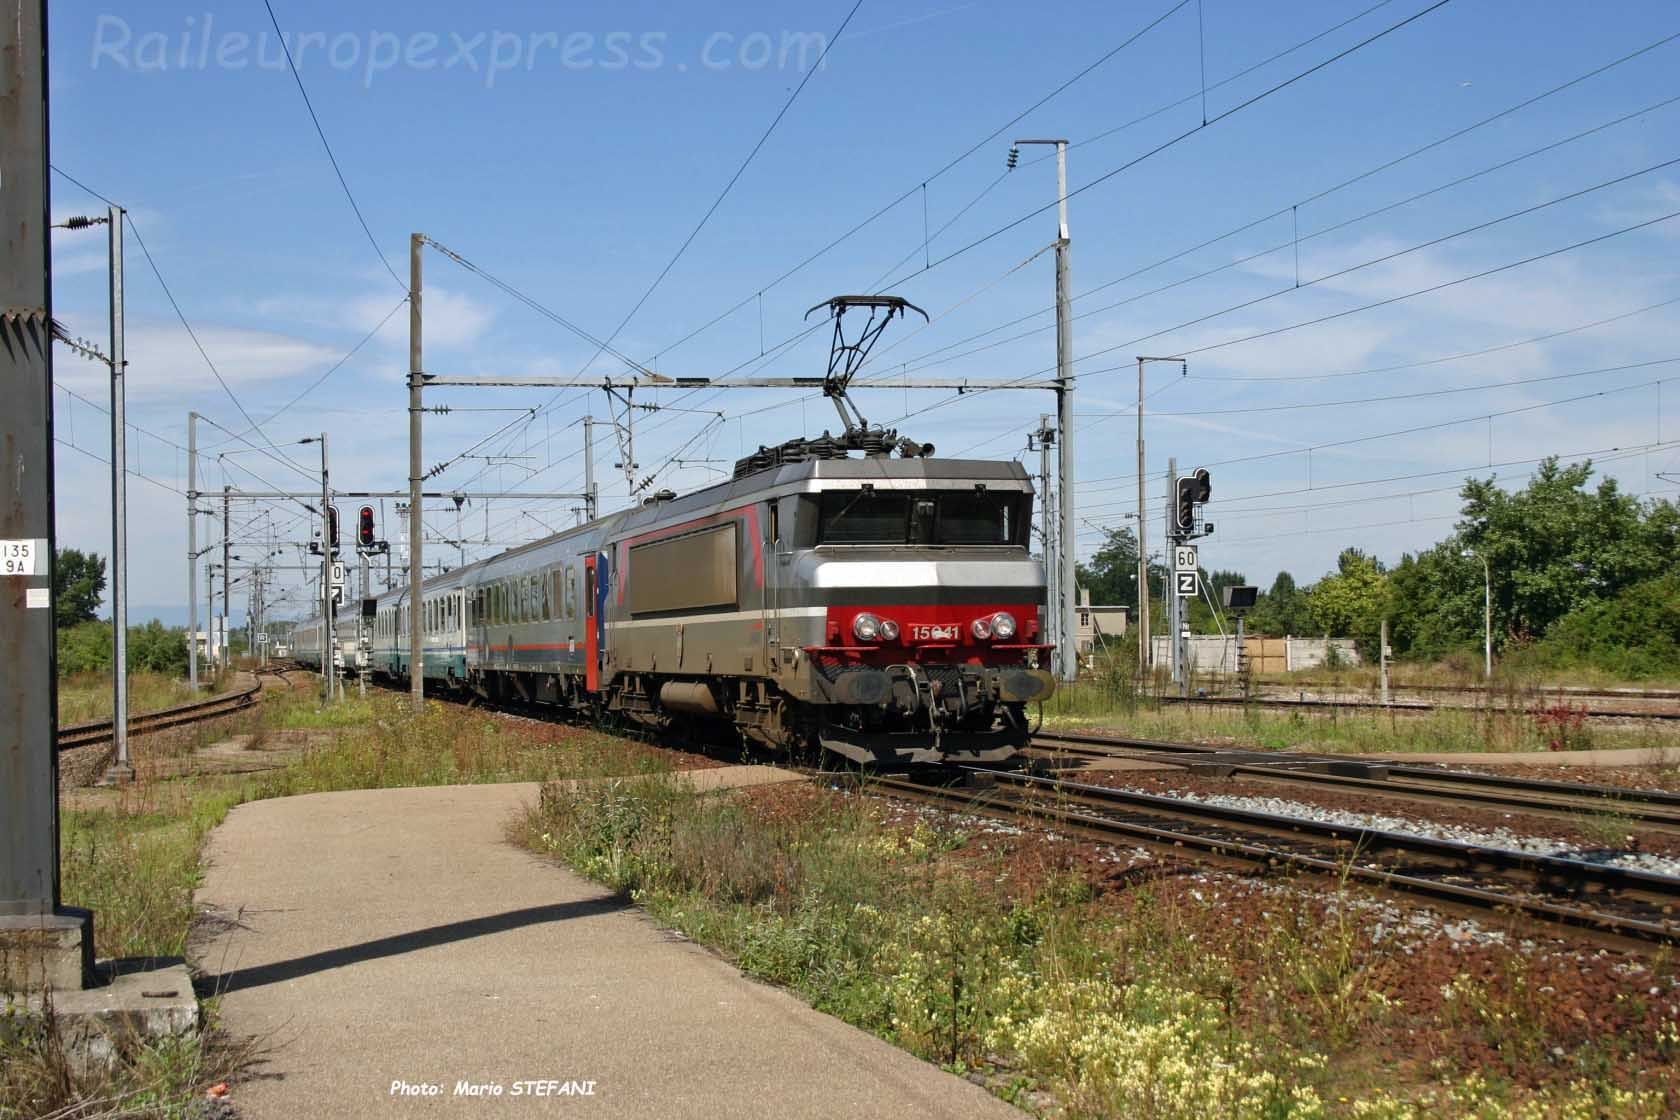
x,y
889,630
867,627
1003,625
981,628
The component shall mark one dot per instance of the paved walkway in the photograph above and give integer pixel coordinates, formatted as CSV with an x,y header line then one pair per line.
x,y
394,936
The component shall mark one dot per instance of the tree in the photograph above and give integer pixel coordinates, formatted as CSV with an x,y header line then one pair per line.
x,y
1111,576
1352,601
1551,548
78,586
1281,611
156,648
1201,615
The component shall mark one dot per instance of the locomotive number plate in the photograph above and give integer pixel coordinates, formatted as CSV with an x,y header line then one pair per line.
x,y
934,633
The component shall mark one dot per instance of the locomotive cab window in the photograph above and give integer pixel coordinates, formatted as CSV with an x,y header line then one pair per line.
x,y
926,517
979,517
865,517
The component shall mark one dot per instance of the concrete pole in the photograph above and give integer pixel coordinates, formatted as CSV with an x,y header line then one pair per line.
x,y
210,617
225,642
192,550
120,770
1487,620
1144,644
416,532
1064,421
29,869
591,496
1174,606
1382,659
362,638
329,632
1047,527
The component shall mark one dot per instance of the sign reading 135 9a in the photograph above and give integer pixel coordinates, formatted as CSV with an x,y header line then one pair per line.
x,y
19,558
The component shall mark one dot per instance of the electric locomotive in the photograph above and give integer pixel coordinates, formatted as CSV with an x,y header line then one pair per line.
x,y
846,594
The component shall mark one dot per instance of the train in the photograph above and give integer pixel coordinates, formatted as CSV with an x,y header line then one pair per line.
x,y
885,609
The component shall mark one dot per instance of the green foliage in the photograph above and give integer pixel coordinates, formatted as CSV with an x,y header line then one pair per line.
x,y
1353,601
1282,610
1201,614
156,648
85,647
1635,635
1111,576
1552,548
78,585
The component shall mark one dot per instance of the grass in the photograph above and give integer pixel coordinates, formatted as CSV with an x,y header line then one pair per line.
x,y
87,696
135,859
1160,1002
1097,704
1156,1004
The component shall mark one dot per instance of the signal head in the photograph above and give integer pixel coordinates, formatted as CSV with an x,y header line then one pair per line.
x,y
365,528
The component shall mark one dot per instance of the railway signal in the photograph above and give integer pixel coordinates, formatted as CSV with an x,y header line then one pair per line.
x,y
364,528
1193,490
332,530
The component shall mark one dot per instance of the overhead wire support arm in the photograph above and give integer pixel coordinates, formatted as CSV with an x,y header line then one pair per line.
x,y
611,384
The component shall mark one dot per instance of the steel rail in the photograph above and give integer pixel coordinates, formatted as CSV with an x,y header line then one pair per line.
x,y
1538,691
1247,839
1405,706
1652,808
101,731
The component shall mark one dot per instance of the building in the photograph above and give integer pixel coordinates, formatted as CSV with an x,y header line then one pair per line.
x,y
1097,622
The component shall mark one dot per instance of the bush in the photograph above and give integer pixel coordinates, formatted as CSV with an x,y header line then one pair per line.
x,y
84,648
152,648
1634,635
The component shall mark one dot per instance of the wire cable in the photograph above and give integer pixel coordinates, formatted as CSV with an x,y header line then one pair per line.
x,y
733,179
337,170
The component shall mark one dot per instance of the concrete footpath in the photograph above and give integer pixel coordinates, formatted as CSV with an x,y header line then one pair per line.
x,y
389,944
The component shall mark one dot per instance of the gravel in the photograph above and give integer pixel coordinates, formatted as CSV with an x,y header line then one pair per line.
x,y
1482,837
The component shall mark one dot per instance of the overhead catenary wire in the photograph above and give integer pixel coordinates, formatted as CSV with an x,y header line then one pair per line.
x,y
920,186
1388,301
332,369
922,361
1287,82
729,186
1179,138
332,158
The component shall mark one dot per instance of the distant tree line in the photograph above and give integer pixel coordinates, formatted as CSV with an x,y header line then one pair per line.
x,y
1581,576
85,643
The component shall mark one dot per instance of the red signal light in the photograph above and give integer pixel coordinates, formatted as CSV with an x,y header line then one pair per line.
x,y
364,527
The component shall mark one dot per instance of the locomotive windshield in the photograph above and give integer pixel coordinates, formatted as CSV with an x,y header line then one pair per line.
x,y
948,517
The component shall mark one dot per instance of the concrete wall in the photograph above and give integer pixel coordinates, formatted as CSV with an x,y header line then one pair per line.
x,y
1210,653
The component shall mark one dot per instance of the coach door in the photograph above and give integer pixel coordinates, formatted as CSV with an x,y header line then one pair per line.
x,y
773,585
594,622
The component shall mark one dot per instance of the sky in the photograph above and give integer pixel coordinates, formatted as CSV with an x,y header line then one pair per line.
x,y
1392,256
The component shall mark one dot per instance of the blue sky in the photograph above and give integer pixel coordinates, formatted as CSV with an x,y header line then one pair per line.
x,y
570,149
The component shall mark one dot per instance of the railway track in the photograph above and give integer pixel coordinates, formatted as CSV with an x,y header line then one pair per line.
x,y
1656,809
214,707
1539,692
1615,904
1282,703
